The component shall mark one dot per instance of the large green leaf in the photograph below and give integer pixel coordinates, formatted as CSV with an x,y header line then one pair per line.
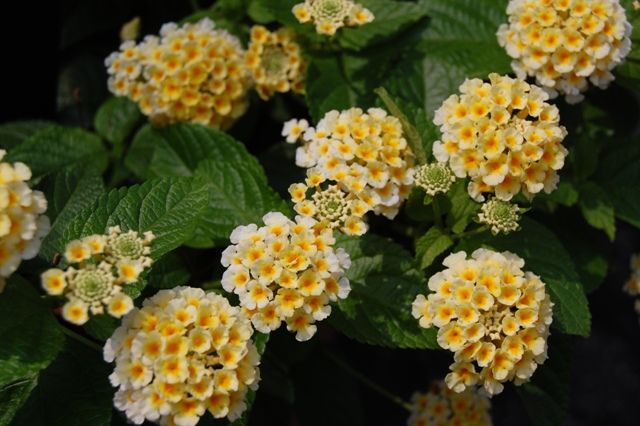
x,y
116,119
13,134
328,86
431,245
67,194
238,188
73,391
170,207
30,335
13,396
384,283
545,256
463,208
58,148
597,208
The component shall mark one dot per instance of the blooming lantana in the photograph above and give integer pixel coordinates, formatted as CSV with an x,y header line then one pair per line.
x,y
105,265
285,271
275,61
330,15
195,73
563,42
364,153
503,135
502,216
434,178
22,223
442,406
490,312
182,353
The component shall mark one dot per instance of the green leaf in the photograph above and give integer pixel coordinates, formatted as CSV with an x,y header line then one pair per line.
x,y
463,208
67,193
431,245
58,148
101,327
13,396
327,86
415,207
597,208
566,194
73,391
410,132
384,283
168,272
30,335
546,396
116,118
13,134
545,256
170,207
140,153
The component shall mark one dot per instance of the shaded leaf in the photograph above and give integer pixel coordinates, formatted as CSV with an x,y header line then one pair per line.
x,y
13,134
597,208
431,245
13,396
116,119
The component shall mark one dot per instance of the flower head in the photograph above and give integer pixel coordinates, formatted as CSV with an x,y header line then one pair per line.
x,y
502,216
185,352
195,73
503,135
365,154
102,265
285,271
434,178
564,43
491,313
330,15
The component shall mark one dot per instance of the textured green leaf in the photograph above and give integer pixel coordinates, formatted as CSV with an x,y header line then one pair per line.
x,y
140,153
101,327
116,119
60,148
169,272
384,283
463,208
597,208
13,134
30,335
566,194
67,193
327,86
13,396
545,256
546,396
431,245
73,391
169,207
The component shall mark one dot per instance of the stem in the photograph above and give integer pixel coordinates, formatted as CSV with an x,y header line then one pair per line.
x,y
368,382
471,233
194,5
81,339
436,213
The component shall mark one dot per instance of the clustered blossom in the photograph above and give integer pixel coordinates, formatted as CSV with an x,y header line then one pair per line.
x,y
195,73
502,216
285,271
490,312
275,61
22,223
330,15
441,406
434,178
330,207
364,153
563,43
503,135
183,353
101,266
632,285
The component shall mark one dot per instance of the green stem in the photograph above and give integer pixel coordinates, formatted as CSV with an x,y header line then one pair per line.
x,y
82,340
471,233
437,213
368,382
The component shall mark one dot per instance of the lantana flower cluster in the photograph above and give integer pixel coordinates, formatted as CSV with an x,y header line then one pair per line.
x,y
196,73
441,406
22,223
183,353
632,285
330,15
563,43
501,215
285,271
503,135
434,178
489,312
100,267
275,61
364,153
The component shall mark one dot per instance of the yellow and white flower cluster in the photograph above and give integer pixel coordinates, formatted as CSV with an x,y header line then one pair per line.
x,y
490,312
285,271
503,135
502,216
331,207
105,265
22,223
434,178
275,61
330,15
195,73
562,43
441,406
632,285
183,353
364,153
